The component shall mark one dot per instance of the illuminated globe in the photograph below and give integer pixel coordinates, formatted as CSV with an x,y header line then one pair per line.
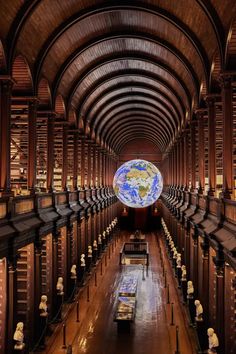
x,y
138,183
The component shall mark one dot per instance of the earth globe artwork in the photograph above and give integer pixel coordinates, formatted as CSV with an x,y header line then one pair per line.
x,y
138,183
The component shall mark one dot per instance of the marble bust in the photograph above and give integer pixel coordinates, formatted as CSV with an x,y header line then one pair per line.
x,y
19,336
178,260
95,246
73,273
190,289
212,340
43,308
199,311
90,251
82,260
184,273
60,286
99,239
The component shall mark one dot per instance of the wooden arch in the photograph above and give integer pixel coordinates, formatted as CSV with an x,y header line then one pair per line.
x,y
216,69
72,118
230,52
60,106
3,66
21,74
44,94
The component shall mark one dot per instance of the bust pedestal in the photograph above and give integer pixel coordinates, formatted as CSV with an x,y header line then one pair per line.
x,y
99,249
191,307
81,275
59,302
19,347
43,320
95,252
201,333
89,262
184,289
179,275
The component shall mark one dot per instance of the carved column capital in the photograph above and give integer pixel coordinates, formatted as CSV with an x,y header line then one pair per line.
x,y
219,264
205,248
226,79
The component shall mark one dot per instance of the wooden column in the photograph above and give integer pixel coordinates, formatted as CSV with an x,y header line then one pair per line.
x,y
173,165
201,151
5,133
181,161
12,301
205,278
227,107
103,168
56,234
89,165
210,100
82,162
37,287
99,166
108,169
75,161
94,166
177,162
220,306
32,143
69,255
186,158
193,154
86,236
50,152
64,158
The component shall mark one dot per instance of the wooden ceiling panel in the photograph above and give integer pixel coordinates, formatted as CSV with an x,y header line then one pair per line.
x,y
222,9
112,61
8,10
133,90
121,48
46,17
133,119
104,25
194,17
102,117
132,80
122,65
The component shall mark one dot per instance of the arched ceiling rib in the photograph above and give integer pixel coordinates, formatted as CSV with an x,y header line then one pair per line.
x,y
124,124
132,116
129,118
139,41
132,95
91,106
119,65
139,75
137,107
140,63
134,134
132,79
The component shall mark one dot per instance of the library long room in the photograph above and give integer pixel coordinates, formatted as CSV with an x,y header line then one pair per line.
x,y
118,177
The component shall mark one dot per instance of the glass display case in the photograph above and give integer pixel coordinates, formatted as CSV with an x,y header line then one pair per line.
x,y
126,300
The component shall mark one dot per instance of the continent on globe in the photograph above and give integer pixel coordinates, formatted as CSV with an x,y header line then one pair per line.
x,y
137,183
143,191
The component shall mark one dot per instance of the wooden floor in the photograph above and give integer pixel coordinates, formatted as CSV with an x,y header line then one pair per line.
x,y
151,333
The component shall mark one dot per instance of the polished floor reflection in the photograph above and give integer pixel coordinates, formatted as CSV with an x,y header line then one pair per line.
x,y
151,332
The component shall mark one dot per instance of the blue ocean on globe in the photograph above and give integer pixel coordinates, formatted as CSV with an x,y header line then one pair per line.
x,y
138,183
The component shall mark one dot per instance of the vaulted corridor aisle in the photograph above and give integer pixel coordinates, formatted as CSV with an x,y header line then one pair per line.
x,y
151,333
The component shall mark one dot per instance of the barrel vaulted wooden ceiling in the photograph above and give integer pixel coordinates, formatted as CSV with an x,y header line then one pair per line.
x,y
119,70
